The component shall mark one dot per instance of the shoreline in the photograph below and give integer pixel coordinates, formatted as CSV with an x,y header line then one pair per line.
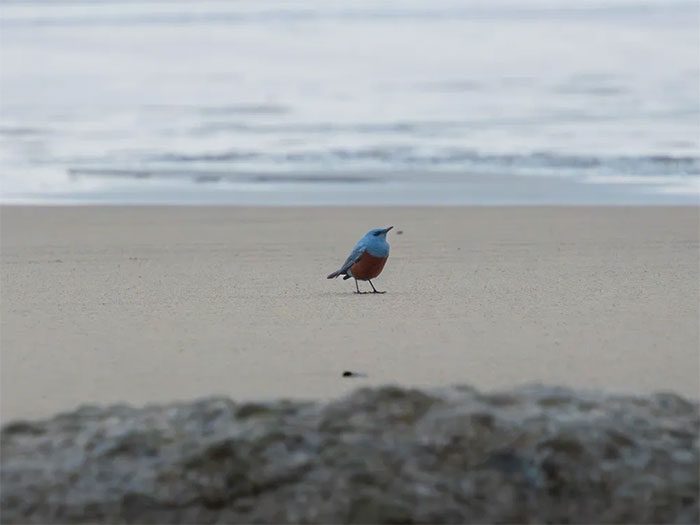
x,y
150,304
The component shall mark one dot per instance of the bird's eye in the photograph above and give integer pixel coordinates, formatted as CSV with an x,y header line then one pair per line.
x,y
376,234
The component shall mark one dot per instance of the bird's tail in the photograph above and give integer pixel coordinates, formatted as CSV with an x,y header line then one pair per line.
x,y
333,275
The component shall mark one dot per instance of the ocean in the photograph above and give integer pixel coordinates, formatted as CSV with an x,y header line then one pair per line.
x,y
323,102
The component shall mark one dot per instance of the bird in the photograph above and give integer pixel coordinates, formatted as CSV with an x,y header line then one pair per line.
x,y
367,259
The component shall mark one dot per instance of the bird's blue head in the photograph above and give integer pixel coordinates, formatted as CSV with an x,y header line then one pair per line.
x,y
375,243
379,233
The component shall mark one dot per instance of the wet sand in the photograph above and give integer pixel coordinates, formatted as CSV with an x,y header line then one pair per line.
x,y
143,304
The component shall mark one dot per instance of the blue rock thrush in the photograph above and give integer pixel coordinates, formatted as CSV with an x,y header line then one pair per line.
x,y
367,258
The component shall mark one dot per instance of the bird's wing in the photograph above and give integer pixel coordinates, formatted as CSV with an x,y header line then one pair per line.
x,y
353,257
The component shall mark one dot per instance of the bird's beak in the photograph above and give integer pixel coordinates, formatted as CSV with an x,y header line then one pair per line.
x,y
387,229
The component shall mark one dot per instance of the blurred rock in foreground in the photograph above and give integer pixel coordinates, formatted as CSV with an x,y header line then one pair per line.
x,y
386,455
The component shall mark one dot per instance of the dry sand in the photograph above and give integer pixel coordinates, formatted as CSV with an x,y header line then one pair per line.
x,y
112,304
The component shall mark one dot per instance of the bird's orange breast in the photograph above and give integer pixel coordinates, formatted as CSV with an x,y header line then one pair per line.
x,y
367,267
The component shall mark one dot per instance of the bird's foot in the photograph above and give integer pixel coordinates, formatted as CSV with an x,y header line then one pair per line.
x,y
377,291
360,293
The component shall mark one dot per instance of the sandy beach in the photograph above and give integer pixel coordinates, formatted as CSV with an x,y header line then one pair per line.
x,y
149,304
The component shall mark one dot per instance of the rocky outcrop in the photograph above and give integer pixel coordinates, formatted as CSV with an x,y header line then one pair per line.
x,y
386,455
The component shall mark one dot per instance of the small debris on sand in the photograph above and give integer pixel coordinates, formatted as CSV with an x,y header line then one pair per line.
x,y
348,373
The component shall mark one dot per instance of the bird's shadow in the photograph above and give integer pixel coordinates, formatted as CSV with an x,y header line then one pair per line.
x,y
351,294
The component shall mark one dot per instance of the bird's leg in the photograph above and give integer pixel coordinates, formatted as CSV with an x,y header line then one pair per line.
x,y
374,290
358,287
